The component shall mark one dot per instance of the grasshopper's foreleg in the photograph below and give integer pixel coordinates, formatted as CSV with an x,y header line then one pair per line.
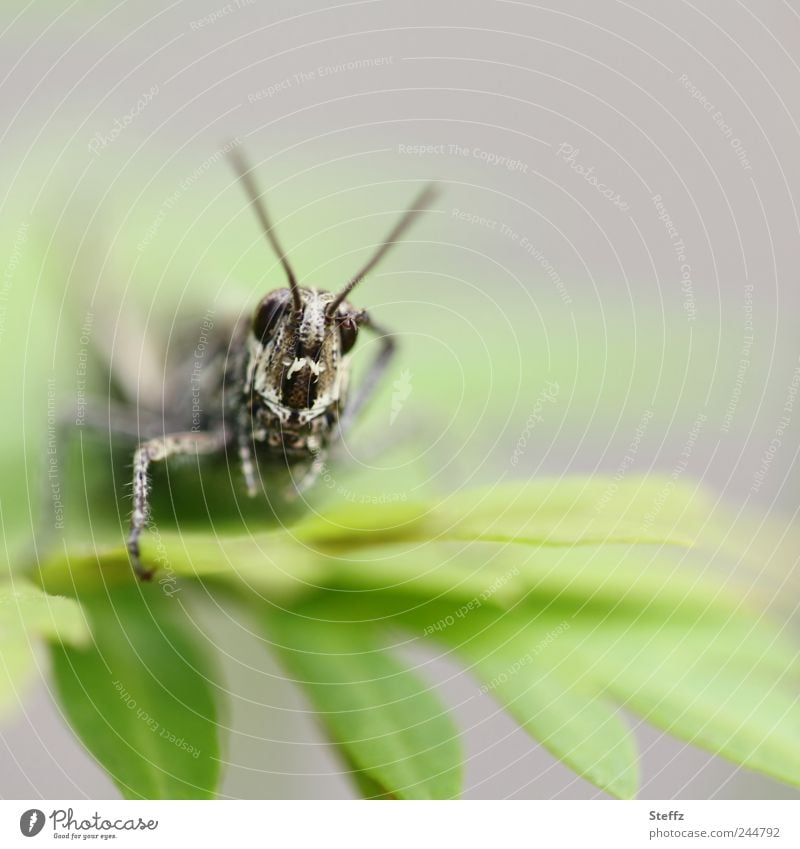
x,y
156,450
310,475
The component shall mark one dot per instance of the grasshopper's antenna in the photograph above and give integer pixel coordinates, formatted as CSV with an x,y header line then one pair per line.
x,y
420,204
245,175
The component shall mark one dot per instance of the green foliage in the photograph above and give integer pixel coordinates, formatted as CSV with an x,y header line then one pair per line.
x,y
27,614
384,718
142,697
541,590
570,720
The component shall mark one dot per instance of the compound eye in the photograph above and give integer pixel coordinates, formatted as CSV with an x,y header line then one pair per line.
x,y
268,315
348,332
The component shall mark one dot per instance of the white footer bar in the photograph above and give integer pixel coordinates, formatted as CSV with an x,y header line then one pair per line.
x,y
404,825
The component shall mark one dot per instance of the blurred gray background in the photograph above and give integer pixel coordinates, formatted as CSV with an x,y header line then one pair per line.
x,y
618,216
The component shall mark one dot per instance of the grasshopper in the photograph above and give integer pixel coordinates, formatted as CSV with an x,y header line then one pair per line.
x,y
276,387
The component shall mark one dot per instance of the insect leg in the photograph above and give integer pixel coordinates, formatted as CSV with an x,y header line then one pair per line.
x,y
156,450
113,418
373,376
309,478
244,437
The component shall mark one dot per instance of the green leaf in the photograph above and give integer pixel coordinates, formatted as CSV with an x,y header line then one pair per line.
x,y
287,568
367,787
582,730
725,683
141,698
569,511
549,513
723,680
608,576
391,729
27,613
730,689
574,724
651,626
270,561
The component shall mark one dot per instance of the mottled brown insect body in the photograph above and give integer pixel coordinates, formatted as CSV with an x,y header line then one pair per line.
x,y
284,380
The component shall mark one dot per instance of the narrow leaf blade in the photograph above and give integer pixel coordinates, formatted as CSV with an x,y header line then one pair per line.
x,y
141,698
573,722
707,684
584,731
391,728
27,613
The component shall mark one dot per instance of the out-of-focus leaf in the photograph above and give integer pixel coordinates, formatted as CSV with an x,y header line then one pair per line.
x,y
392,729
583,730
723,689
269,561
500,574
459,570
551,532
26,613
724,682
570,511
141,698
650,626
574,511
575,724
